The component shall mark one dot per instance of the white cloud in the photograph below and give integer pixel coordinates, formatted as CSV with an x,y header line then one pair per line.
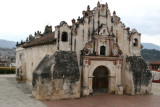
x,y
19,18
150,39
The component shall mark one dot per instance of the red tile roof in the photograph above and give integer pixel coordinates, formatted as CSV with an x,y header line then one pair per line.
x,y
46,39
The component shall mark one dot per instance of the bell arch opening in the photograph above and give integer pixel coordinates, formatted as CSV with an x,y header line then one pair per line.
x,y
100,81
64,36
135,42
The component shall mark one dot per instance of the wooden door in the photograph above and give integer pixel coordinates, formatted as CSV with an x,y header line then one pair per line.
x,y
100,79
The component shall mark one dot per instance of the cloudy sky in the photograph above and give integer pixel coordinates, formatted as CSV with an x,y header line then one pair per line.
x,y
19,18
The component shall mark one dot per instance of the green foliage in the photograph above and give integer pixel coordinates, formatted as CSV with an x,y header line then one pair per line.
x,y
150,55
7,71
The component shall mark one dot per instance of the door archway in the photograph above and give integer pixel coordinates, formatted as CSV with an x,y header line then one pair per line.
x,y
100,79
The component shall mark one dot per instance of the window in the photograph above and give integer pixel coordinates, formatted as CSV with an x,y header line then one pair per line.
x,y
135,42
102,50
64,36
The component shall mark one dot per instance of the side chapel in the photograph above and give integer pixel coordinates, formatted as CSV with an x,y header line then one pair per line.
x,y
97,53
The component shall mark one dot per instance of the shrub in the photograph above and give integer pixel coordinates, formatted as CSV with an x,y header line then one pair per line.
x,y
7,70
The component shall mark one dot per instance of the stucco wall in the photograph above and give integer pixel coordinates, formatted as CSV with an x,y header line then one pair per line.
x,y
65,45
19,56
34,55
20,64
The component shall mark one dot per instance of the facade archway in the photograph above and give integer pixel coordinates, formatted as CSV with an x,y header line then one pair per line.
x,y
100,81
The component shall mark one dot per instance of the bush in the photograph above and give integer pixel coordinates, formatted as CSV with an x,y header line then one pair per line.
x,y
7,70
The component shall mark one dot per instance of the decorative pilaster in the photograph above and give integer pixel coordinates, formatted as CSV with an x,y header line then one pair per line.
x,y
85,78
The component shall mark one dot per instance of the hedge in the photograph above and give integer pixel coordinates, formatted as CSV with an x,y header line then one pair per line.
x,y
7,70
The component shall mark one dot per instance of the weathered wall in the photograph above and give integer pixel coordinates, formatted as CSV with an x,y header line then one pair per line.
x,y
64,45
19,57
140,76
20,64
34,55
57,77
135,50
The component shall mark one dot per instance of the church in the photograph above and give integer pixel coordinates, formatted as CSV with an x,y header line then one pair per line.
x,y
96,54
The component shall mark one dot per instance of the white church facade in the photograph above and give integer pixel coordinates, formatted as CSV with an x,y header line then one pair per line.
x,y
97,53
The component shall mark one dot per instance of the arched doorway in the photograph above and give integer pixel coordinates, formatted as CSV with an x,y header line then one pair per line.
x,y
100,79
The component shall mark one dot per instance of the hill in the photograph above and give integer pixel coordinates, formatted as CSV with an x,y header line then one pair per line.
x,y
150,46
7,44
6,52
150,55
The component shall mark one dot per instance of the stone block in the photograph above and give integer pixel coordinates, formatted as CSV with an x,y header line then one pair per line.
x,y
120,90
59,76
